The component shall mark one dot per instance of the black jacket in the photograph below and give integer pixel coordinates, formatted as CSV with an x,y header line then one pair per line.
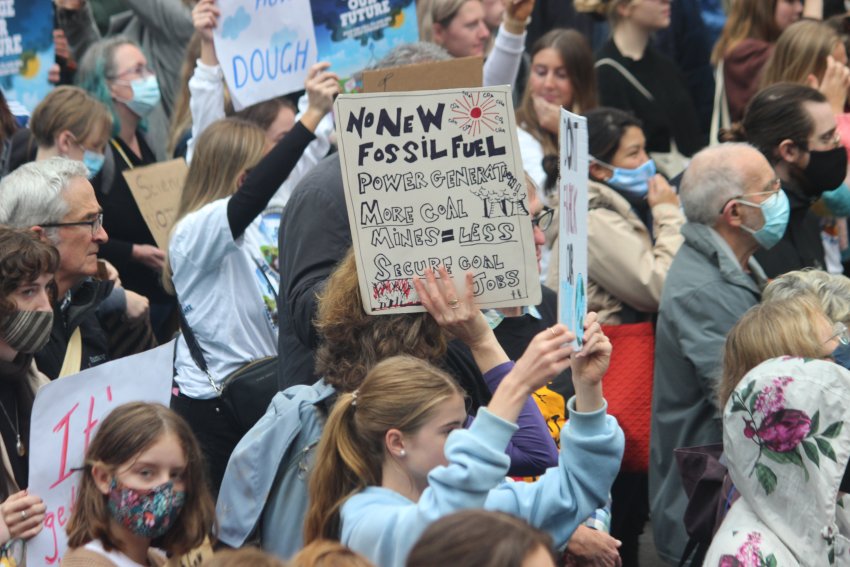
x,y
80,312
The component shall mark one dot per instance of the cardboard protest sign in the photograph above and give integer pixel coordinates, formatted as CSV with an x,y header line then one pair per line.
x,y
462,72
265,47
157,189
435,177
65,416
572,232
354,34
26,50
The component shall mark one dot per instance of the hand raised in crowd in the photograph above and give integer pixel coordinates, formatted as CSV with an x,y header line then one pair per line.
x,y
548,114
593,548
322,86
834,85
516,15
23,514
590,364
150,256
205,16
661,192
460,316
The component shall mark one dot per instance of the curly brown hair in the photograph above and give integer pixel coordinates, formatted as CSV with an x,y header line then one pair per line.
x,y
23,259
353,342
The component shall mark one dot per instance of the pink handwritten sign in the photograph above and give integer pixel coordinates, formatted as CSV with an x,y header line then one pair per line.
x,y
65,417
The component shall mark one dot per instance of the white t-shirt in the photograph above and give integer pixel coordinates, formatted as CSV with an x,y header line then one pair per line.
x,y
115,556
228,292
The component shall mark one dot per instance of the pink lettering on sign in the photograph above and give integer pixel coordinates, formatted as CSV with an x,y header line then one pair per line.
x,y
61,517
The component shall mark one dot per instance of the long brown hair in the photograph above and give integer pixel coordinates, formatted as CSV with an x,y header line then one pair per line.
x,y
401,393
773,328
748,19
127,431
577,58
353,342
225,150
800,51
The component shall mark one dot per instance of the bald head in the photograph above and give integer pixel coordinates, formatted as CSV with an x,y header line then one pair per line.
x,y
718,174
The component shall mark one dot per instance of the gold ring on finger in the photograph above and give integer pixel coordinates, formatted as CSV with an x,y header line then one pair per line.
x,y
453,302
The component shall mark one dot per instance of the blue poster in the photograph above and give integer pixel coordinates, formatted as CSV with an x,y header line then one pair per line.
x,y
354,34
26,50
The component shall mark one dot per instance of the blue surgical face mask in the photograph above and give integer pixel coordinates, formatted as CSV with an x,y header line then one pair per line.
x,y
634,182
145,95
93,162
841,356
776,211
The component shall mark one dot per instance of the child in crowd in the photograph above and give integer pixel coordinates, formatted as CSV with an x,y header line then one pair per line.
x,y
381,475
142,492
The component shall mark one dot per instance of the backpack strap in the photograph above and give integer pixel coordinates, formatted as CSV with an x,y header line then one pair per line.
x,y
626,75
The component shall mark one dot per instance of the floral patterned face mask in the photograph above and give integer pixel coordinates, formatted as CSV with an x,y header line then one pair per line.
x,y
146,513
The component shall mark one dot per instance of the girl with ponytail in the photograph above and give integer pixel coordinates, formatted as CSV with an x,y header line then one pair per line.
x,y
394,456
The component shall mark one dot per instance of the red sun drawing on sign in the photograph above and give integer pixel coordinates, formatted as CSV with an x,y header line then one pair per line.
x,y
472,114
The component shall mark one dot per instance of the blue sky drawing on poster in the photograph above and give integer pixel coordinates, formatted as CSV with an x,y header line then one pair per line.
x,y
33,22
352,39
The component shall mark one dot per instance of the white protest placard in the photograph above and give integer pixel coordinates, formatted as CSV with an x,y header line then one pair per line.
x,y
65,417
157,189
431,178
572,231
265,47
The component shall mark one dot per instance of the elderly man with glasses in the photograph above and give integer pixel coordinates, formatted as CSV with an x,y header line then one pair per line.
x,y
55,199
734,207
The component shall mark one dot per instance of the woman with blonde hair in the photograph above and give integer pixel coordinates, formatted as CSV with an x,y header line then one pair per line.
x,y
394,456
634,76
69,122
222,263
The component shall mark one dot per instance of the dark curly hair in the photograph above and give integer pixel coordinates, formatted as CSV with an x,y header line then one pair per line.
x,y
23,259
353,342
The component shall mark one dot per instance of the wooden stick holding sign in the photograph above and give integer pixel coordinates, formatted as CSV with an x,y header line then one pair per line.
x,y
157,189
572,231
431,178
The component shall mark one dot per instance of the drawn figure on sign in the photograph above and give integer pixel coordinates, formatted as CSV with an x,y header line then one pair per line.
x,y
473,112
502,201
394,293
581,306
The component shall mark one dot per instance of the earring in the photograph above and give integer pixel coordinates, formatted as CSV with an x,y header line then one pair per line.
x,y
402,453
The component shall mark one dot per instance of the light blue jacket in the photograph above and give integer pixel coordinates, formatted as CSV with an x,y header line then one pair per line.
x,y
384,525
270,466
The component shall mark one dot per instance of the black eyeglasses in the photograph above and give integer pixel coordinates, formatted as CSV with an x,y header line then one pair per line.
x,y
543,219
96,224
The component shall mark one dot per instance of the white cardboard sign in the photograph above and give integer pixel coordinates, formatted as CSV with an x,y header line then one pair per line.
x,y
431,178
572,231
65,416
266,47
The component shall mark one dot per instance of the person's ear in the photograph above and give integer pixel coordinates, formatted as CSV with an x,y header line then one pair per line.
x,y
64,142
438,33
39,231
788,151
732,214
394,443
600,172
102,477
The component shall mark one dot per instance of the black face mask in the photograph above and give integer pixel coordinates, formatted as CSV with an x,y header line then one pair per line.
x,y
826,170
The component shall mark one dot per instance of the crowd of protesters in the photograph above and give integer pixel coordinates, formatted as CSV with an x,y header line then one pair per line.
x,y
718,140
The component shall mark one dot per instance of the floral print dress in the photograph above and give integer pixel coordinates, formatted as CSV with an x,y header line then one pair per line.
x,y
787,444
